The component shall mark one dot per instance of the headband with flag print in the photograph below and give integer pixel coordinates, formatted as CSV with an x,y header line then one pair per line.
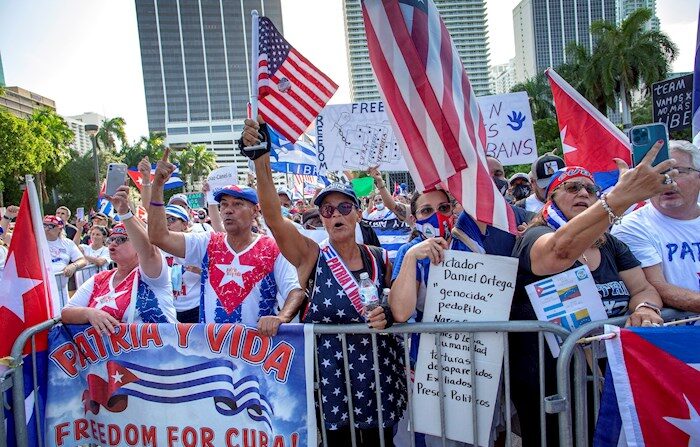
x,y
567,174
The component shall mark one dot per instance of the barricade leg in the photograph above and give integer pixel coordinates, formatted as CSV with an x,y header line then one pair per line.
x,y
5,385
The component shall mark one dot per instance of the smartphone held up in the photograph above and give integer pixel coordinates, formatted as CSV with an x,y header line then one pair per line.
x,y
643,137
116,177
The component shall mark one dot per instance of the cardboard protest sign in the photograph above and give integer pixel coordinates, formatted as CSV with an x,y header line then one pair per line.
x,y
166,384
672,102
464,287
568,299
510,133
219,178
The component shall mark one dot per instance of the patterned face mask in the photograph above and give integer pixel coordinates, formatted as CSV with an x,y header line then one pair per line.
x,y
437,225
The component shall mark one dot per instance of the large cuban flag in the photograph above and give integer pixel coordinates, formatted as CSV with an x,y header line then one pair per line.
x,y
654,376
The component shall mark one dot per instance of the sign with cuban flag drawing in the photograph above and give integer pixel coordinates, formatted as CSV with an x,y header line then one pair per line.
x,y
201,385
651,395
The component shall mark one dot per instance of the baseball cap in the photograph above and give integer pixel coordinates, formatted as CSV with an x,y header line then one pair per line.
x,y
345,189
100,216
285,191
566,174
239,192
177,211
544,167
118,230
306,216
179,198
518,175
53,220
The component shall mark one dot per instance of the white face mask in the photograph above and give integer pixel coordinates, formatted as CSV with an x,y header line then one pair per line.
x,y
380,206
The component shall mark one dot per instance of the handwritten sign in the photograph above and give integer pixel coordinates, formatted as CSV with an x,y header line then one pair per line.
x,y
464,287
510,133
672,102
219,178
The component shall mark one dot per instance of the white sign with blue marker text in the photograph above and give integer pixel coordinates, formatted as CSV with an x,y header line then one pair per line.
x,y
510,133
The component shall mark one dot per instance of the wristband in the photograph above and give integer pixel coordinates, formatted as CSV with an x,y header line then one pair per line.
x,y
651,306
156,203
613,218
128,215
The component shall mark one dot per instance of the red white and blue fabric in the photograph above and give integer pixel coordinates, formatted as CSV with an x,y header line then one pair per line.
x,y
589,138
239,192
432,106
553,216
291,91
239,287
132,300
651,395
175,181
53,220
213,379
567,174
329,304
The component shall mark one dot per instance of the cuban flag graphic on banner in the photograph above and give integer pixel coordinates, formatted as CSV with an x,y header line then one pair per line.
x,y
651,395
212,379
299,157
175,181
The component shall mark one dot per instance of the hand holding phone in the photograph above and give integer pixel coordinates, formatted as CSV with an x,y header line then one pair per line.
x,y
116,177
80,213
643,137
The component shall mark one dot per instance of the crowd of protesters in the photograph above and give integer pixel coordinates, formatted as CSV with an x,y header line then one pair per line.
x,y
255,257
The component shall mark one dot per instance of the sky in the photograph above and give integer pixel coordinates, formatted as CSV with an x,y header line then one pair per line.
x,y
84,54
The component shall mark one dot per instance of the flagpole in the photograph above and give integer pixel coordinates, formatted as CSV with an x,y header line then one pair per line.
x,y
254,55
41,241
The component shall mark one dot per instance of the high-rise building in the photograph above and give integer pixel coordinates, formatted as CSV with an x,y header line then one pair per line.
x,y
196,62
627,7
77,123
544,28
464,19
2,73
23,103
502,77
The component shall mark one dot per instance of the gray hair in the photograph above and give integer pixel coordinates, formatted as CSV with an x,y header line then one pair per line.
x,y
688,148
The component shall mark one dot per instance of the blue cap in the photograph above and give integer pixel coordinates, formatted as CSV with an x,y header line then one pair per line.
x,y
239,192
342,188
177,211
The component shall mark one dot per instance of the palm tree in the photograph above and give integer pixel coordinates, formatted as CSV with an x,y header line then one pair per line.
x,y
151,146
196,161
111,130
540,96
46,124
629,57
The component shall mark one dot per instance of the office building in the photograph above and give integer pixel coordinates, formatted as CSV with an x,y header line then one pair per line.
x,y
464,19
544,28
196,63
627,7
23,103
77,123
502,77
2,73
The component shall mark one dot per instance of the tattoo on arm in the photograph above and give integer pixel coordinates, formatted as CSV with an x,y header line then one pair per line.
x,y
400,211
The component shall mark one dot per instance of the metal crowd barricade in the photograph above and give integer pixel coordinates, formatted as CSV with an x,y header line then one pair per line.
x,y
72,284
405,330
5,384
578,430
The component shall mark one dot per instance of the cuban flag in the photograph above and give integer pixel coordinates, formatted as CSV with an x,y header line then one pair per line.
x,y
392,234
175,181
696,88
299,157
27,298
651,395
589,139
214,379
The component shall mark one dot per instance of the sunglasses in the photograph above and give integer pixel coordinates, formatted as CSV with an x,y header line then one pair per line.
x,y
119,240
172,219
49,226
343,208
686,170
575,187
443,208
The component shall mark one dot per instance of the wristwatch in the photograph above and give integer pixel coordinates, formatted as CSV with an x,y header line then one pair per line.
x,y
648,305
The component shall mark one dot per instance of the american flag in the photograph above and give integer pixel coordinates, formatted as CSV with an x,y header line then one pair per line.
x,y
431,104
291,91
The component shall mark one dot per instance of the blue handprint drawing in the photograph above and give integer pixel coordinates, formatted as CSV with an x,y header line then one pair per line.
x,y
517,118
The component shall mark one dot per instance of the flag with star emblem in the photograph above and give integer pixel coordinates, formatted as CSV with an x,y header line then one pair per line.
x,y
26,292
175,181
654,375
589,139
291,90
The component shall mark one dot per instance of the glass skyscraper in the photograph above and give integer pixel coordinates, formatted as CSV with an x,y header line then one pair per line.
x,y
196,62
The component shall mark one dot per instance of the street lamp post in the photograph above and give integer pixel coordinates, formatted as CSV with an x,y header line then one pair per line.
x,y
190,163
91,130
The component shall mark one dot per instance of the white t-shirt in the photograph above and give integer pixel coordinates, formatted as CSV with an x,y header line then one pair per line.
x,y
63,251
102,252
654,238
532,203
186,284
3,256
201,227
240,287
153,296
376,214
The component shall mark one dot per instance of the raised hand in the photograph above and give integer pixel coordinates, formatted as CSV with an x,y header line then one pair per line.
x,y
12,211
144,168
164,169
120,200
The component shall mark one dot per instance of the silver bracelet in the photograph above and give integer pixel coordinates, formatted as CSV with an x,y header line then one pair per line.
x,y
123,217
614,219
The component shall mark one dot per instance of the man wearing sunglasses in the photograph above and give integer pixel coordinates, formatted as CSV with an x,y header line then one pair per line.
x,y
66,257
665,234
245,278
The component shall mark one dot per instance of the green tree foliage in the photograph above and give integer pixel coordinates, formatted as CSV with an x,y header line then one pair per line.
x,y
195,161
110,131
539,94
151,146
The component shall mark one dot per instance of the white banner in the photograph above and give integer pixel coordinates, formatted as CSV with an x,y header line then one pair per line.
x,y
219,178
464,287
510,133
